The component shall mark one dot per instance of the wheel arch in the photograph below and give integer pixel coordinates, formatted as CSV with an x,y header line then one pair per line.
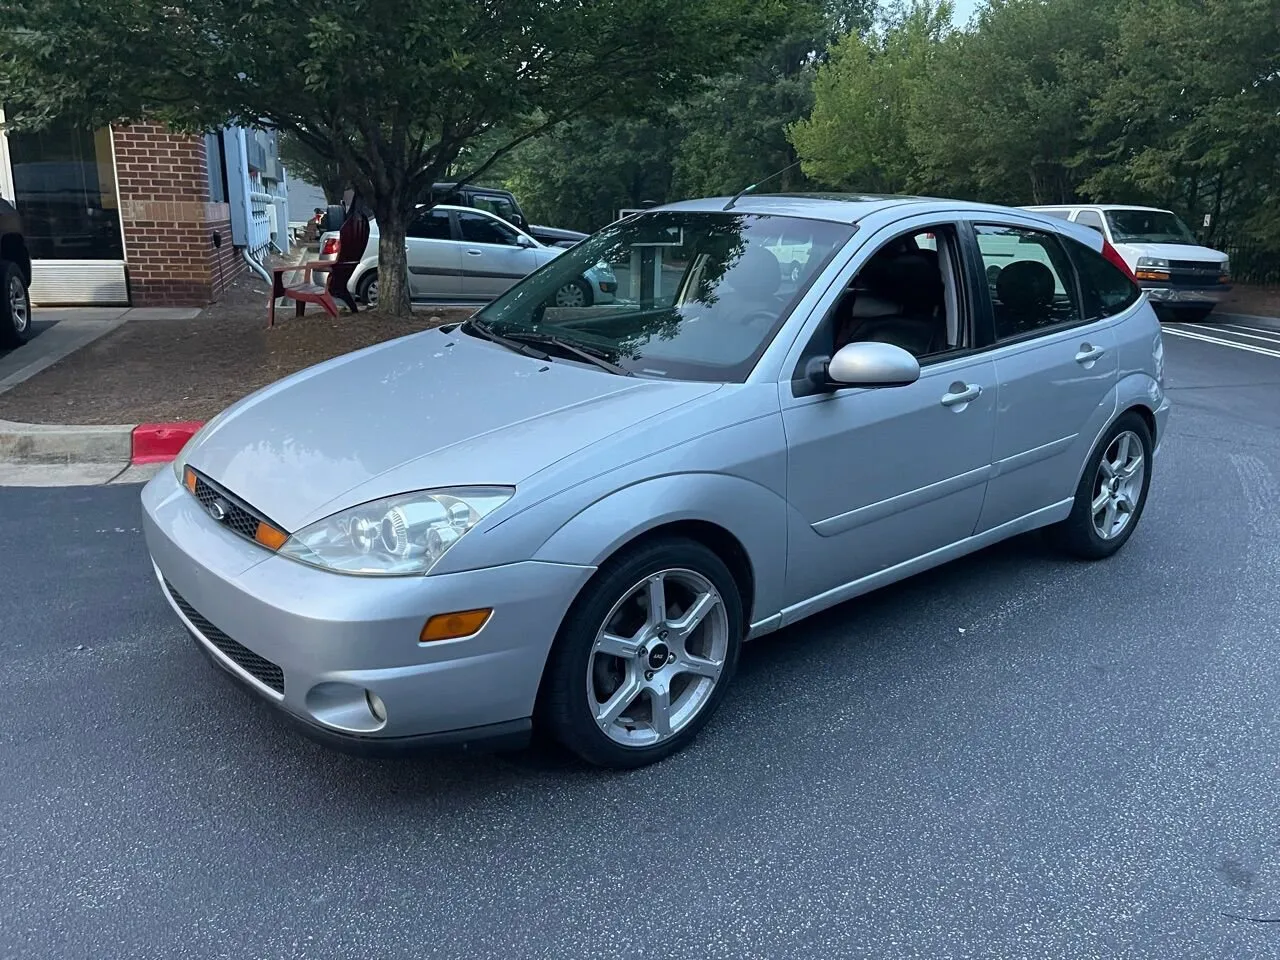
x,y
1137,393
13,247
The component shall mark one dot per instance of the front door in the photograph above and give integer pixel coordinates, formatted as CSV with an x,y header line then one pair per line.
x,y
878,477
1056,368
492,257
434,259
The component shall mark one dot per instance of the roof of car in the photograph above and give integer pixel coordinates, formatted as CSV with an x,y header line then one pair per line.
x,y
1094,206
836,207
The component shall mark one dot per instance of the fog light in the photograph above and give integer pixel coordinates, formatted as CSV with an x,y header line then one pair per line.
x,y
376,706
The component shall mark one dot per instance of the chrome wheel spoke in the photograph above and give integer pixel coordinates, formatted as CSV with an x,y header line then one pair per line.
x,y
693,617
1100,502
1109,520
618,702
1108,470
1130,469
657,601
660,709
616,646
699,667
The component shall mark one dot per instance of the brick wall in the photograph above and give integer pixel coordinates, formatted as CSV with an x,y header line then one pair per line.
x,y
168,221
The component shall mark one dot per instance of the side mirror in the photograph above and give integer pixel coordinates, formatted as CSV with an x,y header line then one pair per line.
x,y
865,365
523,241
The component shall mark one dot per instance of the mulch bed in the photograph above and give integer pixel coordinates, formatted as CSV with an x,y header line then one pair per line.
x,y
161,370
1253,301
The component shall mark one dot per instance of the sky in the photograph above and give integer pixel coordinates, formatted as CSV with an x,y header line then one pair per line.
x,y
963,11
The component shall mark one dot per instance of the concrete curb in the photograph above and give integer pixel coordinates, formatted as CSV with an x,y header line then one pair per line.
x,y
144,443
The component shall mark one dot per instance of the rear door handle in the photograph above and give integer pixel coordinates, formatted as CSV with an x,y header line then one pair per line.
x,y
961,393
475,253
1088,353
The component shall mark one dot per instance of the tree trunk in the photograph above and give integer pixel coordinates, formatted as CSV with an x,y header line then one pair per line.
x,y
393,272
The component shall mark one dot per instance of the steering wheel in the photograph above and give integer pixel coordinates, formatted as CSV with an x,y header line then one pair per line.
x,y
747,319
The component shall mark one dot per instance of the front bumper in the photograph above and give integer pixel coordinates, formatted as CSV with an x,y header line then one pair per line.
x,y
1164,294
335,639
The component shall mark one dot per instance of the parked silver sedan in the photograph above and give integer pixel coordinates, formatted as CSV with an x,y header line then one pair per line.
x,y
573,517
461,254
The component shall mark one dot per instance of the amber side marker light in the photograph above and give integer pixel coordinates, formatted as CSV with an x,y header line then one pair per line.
x,y
269,536
189,479
452,626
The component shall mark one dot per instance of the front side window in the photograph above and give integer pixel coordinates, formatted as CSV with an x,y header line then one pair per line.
x,y
1148,226
499,206
699,295
477,228
1030,280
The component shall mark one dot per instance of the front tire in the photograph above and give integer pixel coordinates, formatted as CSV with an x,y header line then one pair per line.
x,y
644,655
15,306
1112,492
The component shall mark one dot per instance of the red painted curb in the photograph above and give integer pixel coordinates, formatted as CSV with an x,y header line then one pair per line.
x,y
158,442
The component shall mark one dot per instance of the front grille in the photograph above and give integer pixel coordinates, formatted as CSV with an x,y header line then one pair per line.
x,y
238,517
260,668
1194,271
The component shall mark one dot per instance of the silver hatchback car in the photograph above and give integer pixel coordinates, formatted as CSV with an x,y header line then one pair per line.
x,y
571,518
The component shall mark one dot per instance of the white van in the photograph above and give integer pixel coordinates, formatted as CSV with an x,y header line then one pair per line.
x,y
1183,280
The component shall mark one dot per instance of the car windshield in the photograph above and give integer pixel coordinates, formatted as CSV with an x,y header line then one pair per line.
x,y
1148,226
695,295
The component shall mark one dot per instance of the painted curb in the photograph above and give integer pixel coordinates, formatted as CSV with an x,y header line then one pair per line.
x,y
144,443
161,442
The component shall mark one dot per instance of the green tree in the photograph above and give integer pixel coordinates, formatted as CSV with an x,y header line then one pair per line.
x,y
858,133
394,92
1001,113
1190,117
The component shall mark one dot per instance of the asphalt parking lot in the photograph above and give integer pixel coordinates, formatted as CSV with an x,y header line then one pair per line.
x,y
1014,756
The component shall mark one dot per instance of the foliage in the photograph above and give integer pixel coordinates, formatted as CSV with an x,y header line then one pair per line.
x,y
857,135
392,91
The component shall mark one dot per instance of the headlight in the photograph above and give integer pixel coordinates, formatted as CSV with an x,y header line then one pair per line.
x,y
1158,262
398,536
1225,269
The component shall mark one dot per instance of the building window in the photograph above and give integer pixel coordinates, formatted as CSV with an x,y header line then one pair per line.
x,y
64,185
216,164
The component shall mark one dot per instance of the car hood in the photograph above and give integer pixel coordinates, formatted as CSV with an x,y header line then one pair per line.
x,y
1172,251
430,410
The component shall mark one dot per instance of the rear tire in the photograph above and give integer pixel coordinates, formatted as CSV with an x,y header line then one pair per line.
x,y
575,293
1111,494
15,306
634,674
367,289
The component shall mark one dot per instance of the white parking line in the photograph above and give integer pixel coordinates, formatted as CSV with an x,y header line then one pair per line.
x,y
1255,333
1234,344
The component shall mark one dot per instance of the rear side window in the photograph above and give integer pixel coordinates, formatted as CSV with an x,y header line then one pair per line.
x,y
1091,219
1107,291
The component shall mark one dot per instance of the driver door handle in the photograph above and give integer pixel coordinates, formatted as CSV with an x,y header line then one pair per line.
x,y
1089,353
969,391
475,253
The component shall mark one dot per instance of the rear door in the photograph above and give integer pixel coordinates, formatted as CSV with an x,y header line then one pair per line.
x,y
434,257
1055,362
492,257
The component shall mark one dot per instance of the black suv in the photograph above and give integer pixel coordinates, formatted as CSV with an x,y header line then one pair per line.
x,y
15,279
502,203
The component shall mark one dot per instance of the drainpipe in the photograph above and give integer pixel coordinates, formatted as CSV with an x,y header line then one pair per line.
x,y
254,265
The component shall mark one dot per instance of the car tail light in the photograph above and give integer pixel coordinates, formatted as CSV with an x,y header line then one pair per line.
x,y
1112,256
330,247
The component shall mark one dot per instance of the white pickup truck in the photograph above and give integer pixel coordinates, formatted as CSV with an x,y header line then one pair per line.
x,y
1183,280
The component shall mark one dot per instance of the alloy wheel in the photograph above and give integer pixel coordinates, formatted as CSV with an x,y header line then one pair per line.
x,y
371,293
19,305
1117,487
657,658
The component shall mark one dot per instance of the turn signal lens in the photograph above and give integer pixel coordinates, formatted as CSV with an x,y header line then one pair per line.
x,y
269,536
189,479
452,626
1153,274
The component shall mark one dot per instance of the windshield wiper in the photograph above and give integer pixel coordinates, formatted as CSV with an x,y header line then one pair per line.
x,y
584,353
486,331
